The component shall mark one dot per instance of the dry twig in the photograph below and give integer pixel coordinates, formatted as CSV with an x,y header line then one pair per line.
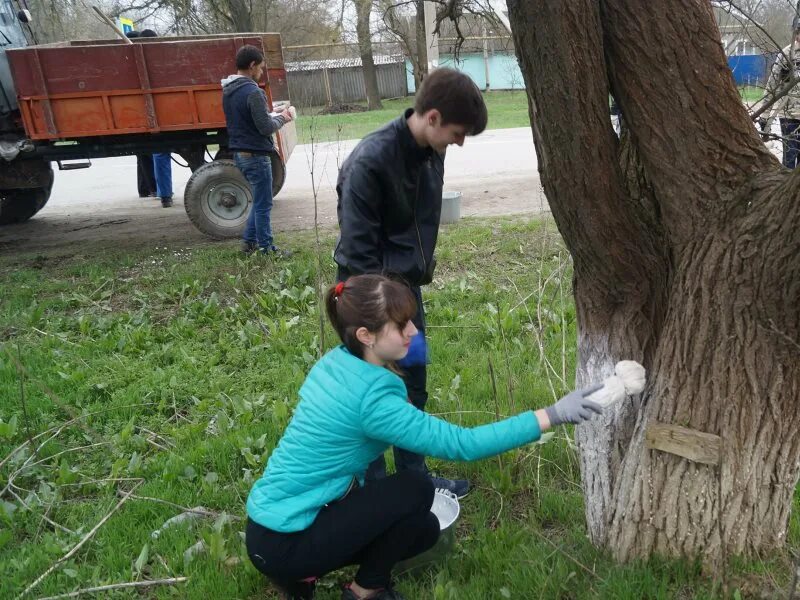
x,y
119,586
80,544
59,428
205,513
566,554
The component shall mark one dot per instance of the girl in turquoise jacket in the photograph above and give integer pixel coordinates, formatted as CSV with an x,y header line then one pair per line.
x,y
310,512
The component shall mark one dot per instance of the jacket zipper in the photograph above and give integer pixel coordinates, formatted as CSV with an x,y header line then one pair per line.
x,y
416,226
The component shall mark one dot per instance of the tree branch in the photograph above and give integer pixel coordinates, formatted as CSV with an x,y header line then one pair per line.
x,y
696,154
558,44
80,544
119,586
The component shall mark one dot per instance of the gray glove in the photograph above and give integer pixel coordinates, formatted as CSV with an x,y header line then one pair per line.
x,y
574,407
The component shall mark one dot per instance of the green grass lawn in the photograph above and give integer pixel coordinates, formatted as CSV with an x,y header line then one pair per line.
x,y
506,109
751,93
181,368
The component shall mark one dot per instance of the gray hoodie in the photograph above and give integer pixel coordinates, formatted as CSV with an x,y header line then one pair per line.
x,y
250,126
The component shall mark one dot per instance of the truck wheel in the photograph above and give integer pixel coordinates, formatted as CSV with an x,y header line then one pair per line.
x,y
19,205
278,168
217,199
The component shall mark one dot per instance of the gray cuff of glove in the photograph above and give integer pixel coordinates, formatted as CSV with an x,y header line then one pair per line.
x,y
552,414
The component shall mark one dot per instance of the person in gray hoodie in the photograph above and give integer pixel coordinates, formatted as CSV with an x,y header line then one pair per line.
x,y
250,128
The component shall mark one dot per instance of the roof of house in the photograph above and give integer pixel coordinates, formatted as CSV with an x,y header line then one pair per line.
x,y
341,63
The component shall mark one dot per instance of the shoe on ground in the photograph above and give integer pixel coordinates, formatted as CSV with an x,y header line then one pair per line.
x,y
460,487
166,202
275,252
246,247
384,594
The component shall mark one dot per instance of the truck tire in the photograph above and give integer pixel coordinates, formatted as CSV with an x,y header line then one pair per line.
x,y
278,167
19,205
217,199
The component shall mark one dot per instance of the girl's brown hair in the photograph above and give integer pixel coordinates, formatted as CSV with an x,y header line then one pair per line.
x,y
369,301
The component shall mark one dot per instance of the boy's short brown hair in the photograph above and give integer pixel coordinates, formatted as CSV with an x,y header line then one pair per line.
x,y
247,55
455,96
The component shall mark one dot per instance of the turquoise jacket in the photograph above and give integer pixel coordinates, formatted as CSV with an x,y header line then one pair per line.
x,y
349,413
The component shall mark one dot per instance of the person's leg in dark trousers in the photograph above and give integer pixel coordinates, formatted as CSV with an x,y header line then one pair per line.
x,y
791,142
375,527
145,175
162,164
416,380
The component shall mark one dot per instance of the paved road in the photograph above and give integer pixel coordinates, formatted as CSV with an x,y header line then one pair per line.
x,y
496,172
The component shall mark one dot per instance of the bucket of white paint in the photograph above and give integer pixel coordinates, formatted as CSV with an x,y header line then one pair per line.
x,y
447,510
451,207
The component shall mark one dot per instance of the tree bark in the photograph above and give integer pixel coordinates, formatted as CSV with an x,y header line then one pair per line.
x,y
686,251
363,12
240,15
421,64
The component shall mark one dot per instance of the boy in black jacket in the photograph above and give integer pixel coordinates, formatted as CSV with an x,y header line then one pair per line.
x,y
389,203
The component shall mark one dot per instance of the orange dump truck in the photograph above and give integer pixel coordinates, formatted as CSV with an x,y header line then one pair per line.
x,y
69,102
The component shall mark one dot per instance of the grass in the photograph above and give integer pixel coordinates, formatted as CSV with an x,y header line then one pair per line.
x,y
185,366
751,93
506,109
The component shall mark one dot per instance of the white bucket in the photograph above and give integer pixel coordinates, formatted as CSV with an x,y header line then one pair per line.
x,y
451,207
446,508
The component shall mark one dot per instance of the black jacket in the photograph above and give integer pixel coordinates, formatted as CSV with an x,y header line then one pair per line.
x,y
390,201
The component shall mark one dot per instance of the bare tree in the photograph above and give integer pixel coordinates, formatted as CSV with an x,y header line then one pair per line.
x,y
405,20
762,26
405,23
421,43
363,14
686,257
58,20
298,21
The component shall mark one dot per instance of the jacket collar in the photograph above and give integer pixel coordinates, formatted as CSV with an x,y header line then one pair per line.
x,y
407,139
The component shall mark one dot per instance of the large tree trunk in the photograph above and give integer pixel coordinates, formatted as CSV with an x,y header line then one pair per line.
x,y
363,11
686,247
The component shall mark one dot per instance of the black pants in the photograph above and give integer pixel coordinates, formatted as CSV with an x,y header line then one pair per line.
x,y
374,527
416,380
790,130
145,175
